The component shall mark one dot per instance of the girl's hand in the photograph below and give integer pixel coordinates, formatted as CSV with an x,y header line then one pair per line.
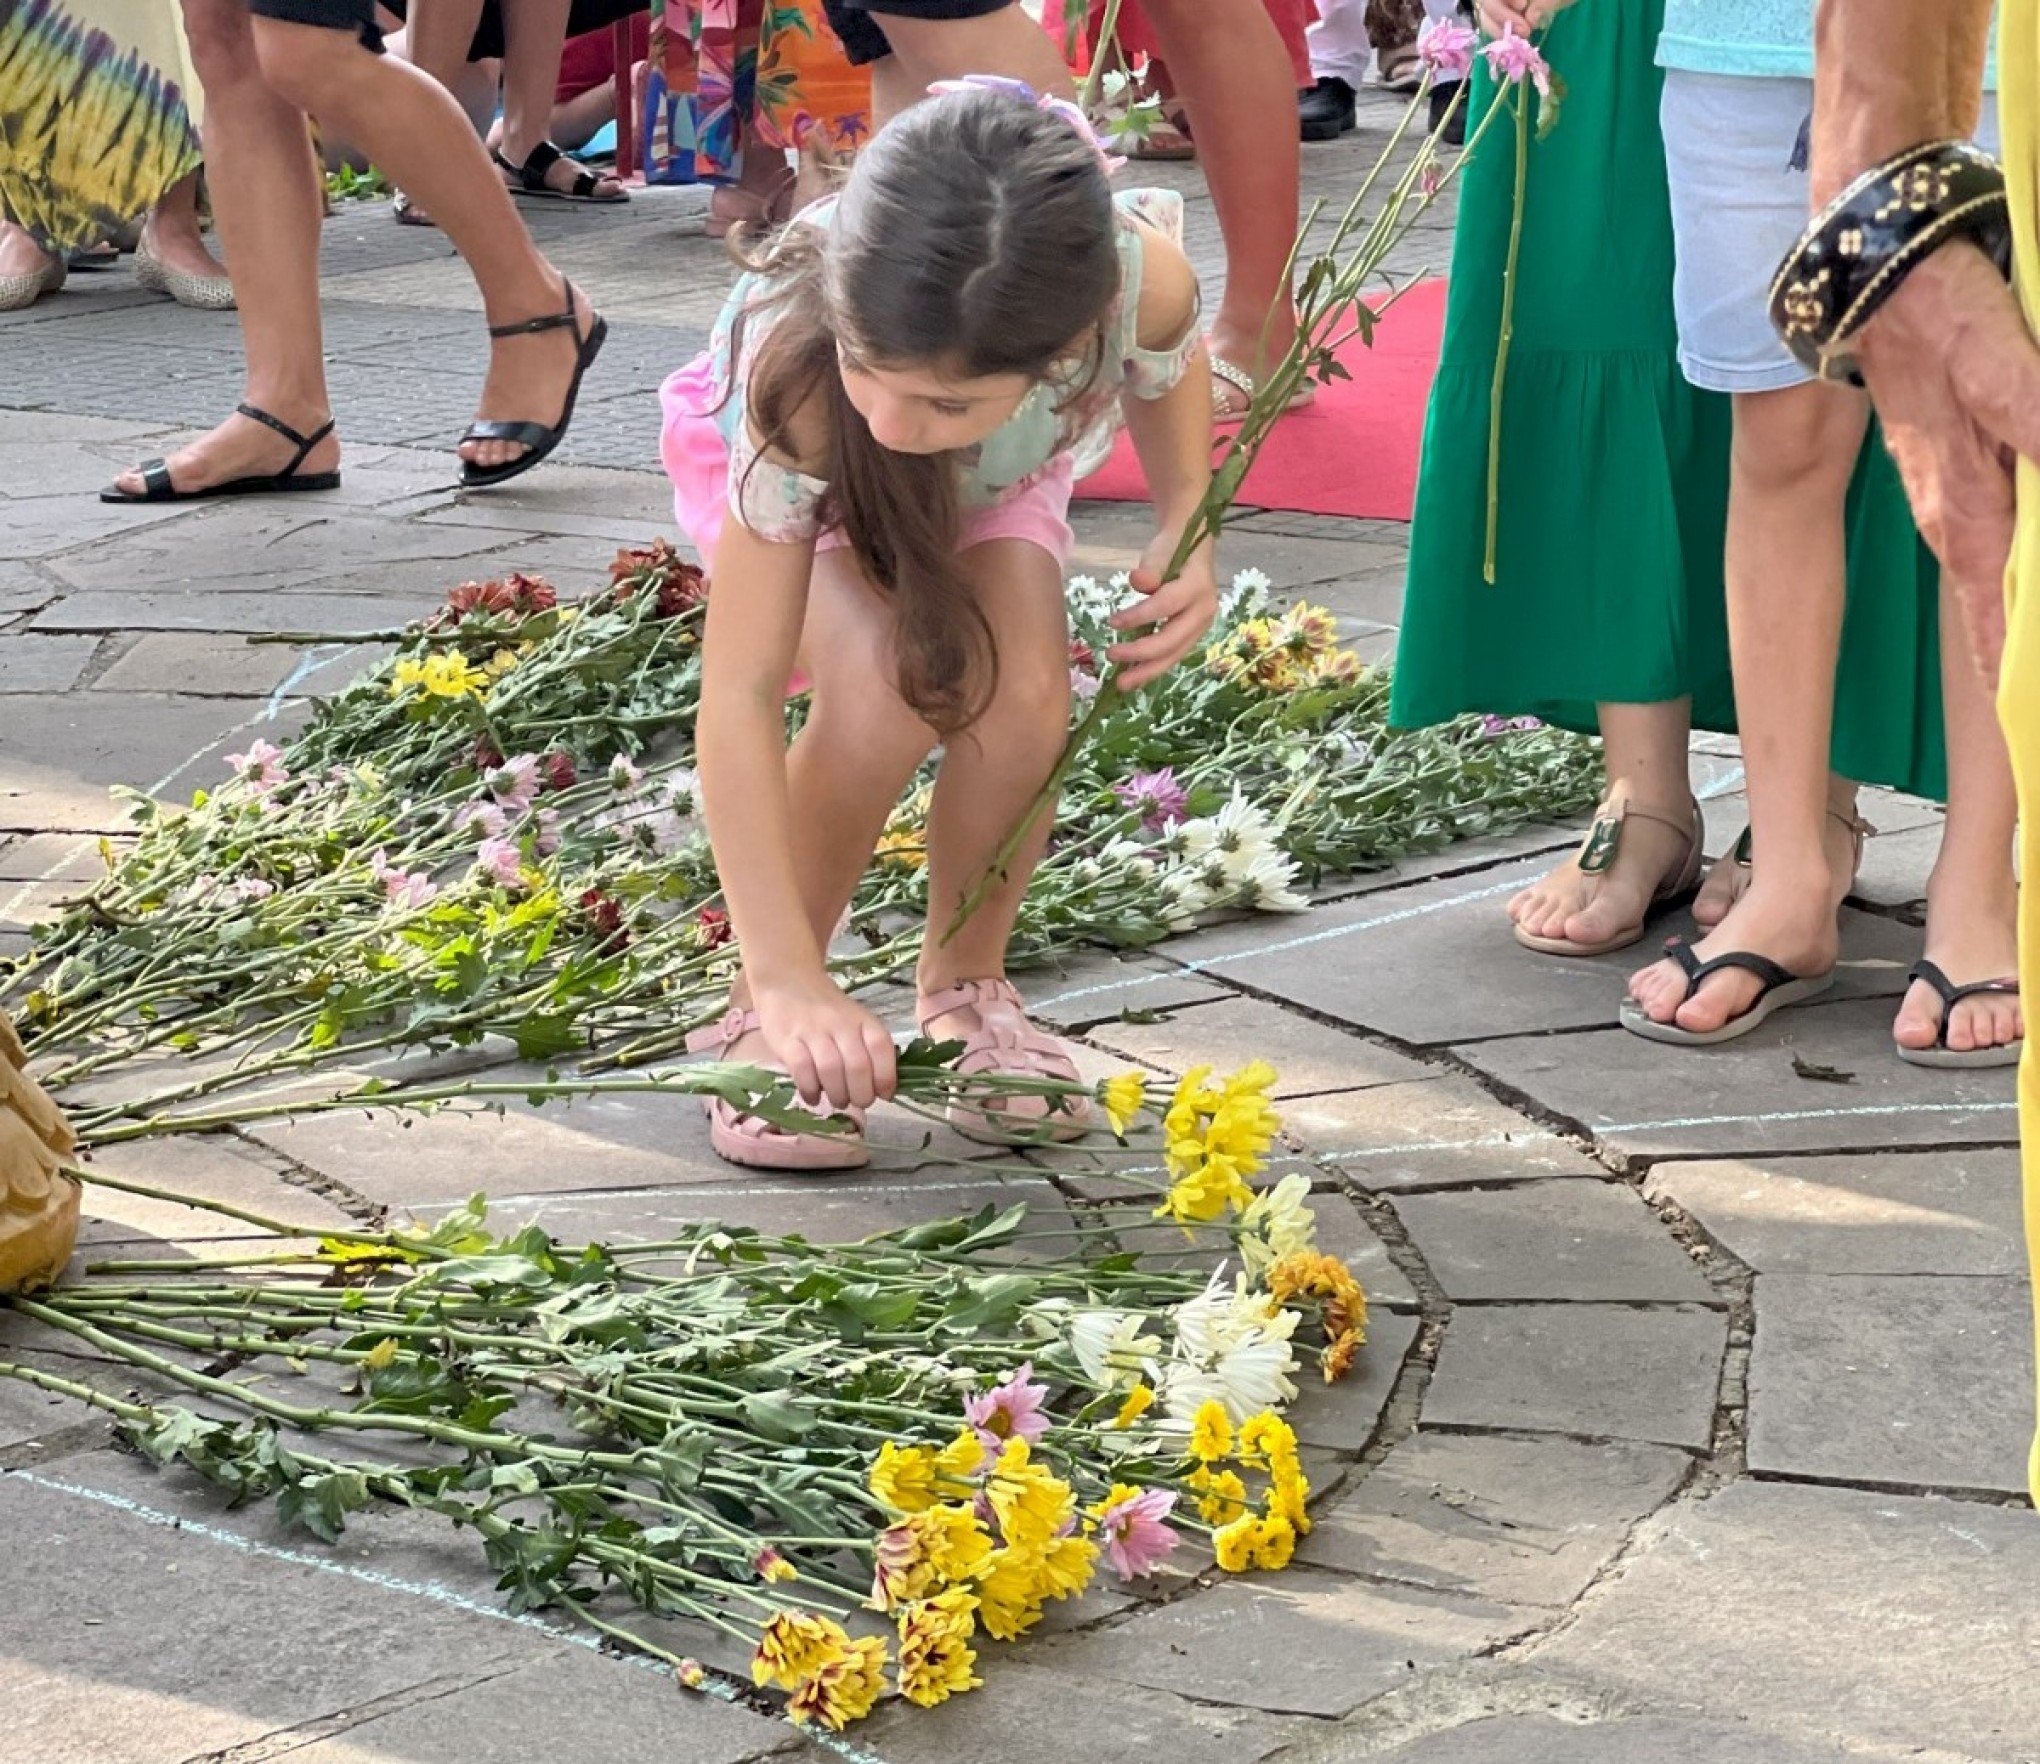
x,y
836,1051
1520,16
1181,612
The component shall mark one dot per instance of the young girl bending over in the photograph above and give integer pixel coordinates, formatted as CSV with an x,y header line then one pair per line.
x,y
875,457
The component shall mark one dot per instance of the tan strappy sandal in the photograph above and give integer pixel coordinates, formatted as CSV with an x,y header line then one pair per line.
x,y
1597,857
1860,831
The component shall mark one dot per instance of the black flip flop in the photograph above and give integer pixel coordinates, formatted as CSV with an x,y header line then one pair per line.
x,y
1941,1054
537,440
1782,988
156,485
531,178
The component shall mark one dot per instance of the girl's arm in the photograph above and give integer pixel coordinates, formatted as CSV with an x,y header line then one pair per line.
x,y
1172,435
834,1049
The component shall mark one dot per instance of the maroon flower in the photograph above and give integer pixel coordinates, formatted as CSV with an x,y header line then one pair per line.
x,y
516,596
1082,657
486,757
604,913
712,928
658,569
558,771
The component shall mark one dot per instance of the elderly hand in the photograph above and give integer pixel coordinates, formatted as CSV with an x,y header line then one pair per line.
x,y
1955,376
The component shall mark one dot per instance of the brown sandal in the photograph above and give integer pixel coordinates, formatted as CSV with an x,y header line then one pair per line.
x,y
1597,857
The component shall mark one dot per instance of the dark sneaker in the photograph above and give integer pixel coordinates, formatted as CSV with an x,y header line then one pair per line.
x,y
1326,110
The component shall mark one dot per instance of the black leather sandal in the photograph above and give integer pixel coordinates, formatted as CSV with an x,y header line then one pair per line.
x,y
535,438
531,177
156,485
1781,988
1941,1054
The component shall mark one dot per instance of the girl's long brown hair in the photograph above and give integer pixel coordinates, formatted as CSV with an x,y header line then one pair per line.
x,y
975,233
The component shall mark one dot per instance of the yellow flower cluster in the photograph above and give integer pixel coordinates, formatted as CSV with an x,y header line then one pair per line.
x,y
941,1570
1265,1443
834,1678
1217,1136
442,674
1287,654
1309,1274
1122,1098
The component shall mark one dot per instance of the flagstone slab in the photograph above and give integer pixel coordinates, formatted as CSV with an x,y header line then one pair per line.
x,y
1078,991
1434,1133
1343,1417
22,590
1543,1739
201,662
63,752
1521,1521
1895,867
1309,1057
1033,1714
1641,1100
31,663
1551,1240
573,1705
1591,1371
304,607
215,1167
1928,1212
55,857
1298,1643
1917,1382
1893,1620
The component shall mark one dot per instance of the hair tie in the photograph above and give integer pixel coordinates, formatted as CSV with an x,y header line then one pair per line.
x,y
1070,112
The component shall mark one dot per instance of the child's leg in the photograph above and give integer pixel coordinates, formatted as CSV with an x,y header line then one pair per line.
x,y
1644,751
1972,896
992,772
1795,452
859,747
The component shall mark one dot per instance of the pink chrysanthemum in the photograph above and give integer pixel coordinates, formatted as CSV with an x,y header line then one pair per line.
x,y
261,768
1513,59
1446,47
514,783
1011,1409
1134,1530
1160,801
501,859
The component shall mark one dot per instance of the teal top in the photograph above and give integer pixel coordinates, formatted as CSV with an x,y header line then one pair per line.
x,y
1765,39
779,503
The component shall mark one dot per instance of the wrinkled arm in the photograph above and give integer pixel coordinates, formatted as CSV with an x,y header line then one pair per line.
x,y
1893,73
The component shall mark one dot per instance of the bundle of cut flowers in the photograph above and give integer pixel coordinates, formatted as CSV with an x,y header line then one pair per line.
x,y
825,1469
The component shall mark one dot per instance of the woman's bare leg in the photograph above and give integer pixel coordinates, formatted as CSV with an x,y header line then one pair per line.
x,y
173,234
534,33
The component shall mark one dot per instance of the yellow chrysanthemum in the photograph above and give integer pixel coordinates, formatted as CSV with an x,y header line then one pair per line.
x,y
1235,1543
1139,1400
1009,1597
963,1457
1066,1566
1267,1438
1189,1105
1205,1190
903,848
1123,1099
1276,1546
904,1478
842,1689
1221,1495
793,1646
1211,1434
1288,1498
500,663
1031,1505
926,1552
935,1652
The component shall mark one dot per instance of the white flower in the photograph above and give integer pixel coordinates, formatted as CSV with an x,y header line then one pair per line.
x,y
1110,1347
1278,1222
623,775
1263,881
1247,595
1232,1347
683,791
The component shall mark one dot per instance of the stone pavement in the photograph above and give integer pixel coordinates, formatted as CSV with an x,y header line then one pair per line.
x,y
1691,1427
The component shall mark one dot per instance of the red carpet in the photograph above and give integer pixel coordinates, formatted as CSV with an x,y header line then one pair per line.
x,y
1354,450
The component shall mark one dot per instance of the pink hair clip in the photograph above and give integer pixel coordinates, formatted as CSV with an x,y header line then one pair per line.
x,y
1069,111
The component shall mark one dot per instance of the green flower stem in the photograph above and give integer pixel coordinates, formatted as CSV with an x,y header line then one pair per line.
x,y
1508,331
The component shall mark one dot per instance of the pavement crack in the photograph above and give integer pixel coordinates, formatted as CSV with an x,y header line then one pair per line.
x,y
284,1740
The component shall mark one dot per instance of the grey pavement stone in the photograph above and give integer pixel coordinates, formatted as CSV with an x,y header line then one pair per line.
x,y
1909,1623
43,664
109,1661
1922,1381
1299,1643
202,610
1932,1212
22,590
1030,1714
1551,1240
1592,1371
1639,1099
1541,1739
1438,1132
1343,1231
1895,866
45,528
1520,1521
1080,990
64,751
1343,1417
209,1167
200,662
572,1707
1309,1056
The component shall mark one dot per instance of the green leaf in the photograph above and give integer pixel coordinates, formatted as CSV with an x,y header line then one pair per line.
x,y
779,1415
992,1302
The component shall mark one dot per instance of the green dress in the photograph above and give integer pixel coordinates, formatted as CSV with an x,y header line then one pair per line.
x,y
1614,481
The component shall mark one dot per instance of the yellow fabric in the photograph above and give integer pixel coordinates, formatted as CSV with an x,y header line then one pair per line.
x,y
2019,694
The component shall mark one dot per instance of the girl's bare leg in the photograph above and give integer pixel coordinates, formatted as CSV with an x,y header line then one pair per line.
x,y
1795,451
1973,895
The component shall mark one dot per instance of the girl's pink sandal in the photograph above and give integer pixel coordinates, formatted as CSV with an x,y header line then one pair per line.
x,y
756,1143
1006,1042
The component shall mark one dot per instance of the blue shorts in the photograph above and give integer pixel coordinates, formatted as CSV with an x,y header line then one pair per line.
x,y
1738,205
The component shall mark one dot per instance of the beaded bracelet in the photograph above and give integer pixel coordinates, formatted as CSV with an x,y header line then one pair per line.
x,y
1865,242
